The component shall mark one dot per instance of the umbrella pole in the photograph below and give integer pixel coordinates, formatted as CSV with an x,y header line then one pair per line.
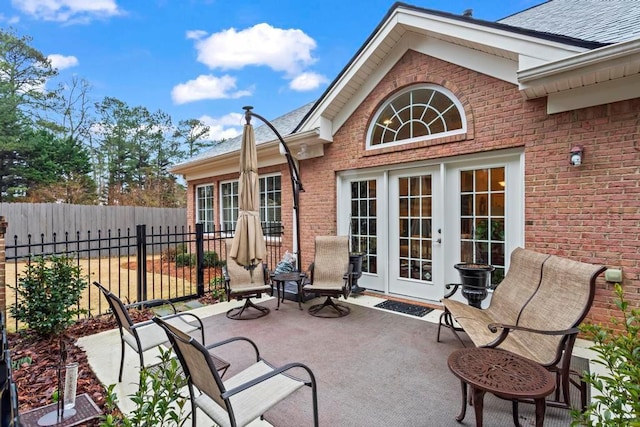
x,y
296,184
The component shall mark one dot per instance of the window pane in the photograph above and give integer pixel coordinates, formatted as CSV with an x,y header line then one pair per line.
x,y
363,222
417,112
482,221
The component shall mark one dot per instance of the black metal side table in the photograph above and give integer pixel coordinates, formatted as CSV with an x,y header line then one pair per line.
x,y
293,276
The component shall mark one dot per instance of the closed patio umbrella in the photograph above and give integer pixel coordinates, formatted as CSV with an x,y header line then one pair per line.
x,y
248,248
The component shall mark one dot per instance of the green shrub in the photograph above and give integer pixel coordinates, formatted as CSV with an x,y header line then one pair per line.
x,y
216,287
185,260
48,295
158,401
211,259
617,401
169,254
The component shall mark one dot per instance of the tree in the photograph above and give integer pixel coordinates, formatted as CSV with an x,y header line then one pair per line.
x,y
57,170
24,72
190,133
134,154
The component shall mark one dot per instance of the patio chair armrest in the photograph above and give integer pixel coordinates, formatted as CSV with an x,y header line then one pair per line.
x,y
172,316
310,271
276,371
234,339
505,329
152,303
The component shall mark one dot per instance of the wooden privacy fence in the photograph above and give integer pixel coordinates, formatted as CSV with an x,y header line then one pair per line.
x,y
139,264
37,219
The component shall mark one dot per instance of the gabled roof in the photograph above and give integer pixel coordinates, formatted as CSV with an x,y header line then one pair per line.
x,y
609,21
285,125
495,49
524,49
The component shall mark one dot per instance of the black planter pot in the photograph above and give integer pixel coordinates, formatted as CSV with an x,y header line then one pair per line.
x,y
476,280
355,259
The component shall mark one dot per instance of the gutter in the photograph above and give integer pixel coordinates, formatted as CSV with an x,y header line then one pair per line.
x,y
619,52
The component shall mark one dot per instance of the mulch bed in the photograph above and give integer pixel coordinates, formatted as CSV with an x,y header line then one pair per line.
x,y
37,358
36,375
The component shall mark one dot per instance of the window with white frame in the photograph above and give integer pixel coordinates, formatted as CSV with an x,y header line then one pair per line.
x,y
204,206
417,113
270,202
229,205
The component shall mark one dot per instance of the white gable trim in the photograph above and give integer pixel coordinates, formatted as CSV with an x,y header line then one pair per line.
x,y
600,76
486,49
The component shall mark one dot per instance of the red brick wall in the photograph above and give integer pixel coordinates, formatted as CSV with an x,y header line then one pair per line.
x,y
590,213
287,200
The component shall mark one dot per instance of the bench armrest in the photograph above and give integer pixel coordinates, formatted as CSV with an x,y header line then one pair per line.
x,y
460,285
452,292
505,329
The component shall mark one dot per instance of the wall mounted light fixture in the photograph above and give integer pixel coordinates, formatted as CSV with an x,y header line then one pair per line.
x,y
575,155
302,153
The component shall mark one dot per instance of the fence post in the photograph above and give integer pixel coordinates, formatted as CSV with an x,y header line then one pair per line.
x,y
3,285
200,258
141,253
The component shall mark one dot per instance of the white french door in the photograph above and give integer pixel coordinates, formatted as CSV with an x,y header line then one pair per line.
x,y
415,223
415,233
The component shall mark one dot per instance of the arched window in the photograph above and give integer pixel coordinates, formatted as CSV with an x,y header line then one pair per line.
x,y
418,113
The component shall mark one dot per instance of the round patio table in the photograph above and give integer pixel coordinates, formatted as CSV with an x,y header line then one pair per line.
x,y
292,276
503,374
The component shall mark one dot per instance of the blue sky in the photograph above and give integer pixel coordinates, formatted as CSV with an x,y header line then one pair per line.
x,y
206,59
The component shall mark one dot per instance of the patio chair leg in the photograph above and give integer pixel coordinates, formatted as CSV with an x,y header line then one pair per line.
x,y
236,313
141,363
121,359
193,406
340,310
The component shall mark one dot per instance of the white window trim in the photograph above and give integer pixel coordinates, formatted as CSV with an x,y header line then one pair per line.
x,y
440,89
197,207
231,181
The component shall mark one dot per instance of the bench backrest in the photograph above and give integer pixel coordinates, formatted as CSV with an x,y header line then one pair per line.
x,y
561,302
518,286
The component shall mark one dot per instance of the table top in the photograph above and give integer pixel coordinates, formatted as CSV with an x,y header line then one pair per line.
x,y
290,275
501,372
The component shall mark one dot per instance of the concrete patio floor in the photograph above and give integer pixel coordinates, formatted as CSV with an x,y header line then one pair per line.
x,y
103,352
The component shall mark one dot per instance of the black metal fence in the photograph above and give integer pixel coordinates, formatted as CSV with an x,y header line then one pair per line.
x,y
174,263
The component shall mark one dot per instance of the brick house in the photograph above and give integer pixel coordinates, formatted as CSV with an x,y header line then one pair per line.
x,y
449,139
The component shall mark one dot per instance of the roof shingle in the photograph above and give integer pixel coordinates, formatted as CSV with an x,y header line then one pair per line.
x,y
604,21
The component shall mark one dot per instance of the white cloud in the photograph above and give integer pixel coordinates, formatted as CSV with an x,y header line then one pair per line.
x,y
307,81
61,62
288,51
11,20
68,10
225,127
207,87
196,34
